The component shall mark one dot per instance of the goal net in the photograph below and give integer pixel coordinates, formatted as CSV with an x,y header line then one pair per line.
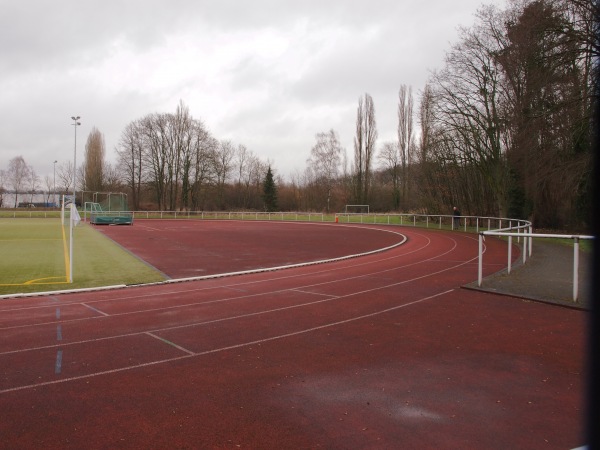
x,y
69,217
357,209
109,208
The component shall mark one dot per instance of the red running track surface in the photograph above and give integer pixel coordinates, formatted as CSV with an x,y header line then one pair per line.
x,y
380,351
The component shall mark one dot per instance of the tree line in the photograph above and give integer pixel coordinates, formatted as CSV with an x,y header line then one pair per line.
x,y
505,128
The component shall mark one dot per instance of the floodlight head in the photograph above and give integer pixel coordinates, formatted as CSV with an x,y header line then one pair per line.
x,y
75,118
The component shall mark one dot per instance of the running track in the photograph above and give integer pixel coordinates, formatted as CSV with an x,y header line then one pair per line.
x,y
380,351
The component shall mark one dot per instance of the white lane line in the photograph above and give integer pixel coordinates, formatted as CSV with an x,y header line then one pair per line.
x,y
172,344
303,291
428,274
254,313
95,310
266,280
143,311
231,347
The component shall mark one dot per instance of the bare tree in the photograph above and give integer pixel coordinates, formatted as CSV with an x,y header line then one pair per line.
x,y
249,169
93,165
34,180
3,177
405,138
112,179
389,156
468,109
364,146
18,174
130,159
48,183
202,174
324,162
223,165
65,176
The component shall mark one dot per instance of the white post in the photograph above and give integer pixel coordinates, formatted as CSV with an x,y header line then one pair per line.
x,y
75,125
576,269
509,253
72,206
480,263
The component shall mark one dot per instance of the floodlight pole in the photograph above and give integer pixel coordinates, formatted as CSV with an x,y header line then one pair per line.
x,y
75,125
54,188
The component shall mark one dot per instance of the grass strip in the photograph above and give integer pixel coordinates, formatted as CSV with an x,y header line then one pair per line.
x,y
33,258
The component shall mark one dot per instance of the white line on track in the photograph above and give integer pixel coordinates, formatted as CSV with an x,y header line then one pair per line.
x,y
95,310
172,344
235,285
257,313
231,347
278,278
271,279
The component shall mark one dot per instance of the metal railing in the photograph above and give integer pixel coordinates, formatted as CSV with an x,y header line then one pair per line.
x,y
526,233
484,226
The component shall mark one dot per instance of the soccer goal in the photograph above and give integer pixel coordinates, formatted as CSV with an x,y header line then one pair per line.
x,y
357,209
69,217
108,208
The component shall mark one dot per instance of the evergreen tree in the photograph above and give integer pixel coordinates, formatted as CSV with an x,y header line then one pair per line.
x,y
270,192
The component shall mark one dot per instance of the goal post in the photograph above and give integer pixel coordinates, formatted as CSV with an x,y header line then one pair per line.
x,y
357,209
69,219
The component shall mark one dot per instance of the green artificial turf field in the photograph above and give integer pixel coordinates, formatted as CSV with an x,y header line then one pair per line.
x,y
35,258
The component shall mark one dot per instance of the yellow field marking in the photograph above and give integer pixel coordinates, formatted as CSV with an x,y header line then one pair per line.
x,y
43,281
36,282
66,253
46,280
33,284
28,239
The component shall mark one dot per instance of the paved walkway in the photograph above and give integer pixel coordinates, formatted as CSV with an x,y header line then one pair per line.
x,y
547,276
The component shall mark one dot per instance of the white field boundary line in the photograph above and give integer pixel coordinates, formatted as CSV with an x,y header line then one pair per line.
x,y
242,297
226,299
221,349
241,316
245,283
537,235
231,285
222,275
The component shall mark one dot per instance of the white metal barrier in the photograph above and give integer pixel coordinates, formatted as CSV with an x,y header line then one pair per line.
x,y
527,248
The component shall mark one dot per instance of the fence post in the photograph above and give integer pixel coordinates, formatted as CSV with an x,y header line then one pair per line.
x,y
576,269
480,261
509,253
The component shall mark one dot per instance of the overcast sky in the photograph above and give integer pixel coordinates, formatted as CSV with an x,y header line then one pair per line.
x,y
268,74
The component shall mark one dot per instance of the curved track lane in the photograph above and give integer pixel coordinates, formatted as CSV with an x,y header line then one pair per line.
x,y
382,351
